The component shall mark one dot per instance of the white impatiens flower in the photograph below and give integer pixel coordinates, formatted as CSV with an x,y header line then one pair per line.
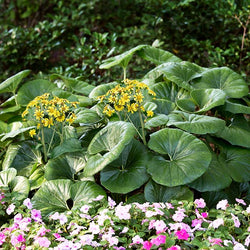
x,y
223,204
10,209
216,223
239,246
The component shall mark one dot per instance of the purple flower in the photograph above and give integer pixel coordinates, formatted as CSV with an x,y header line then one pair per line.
x,y
182,234
36,215
223,204
200,203
10,209
87,239
27,203
43,241
161,239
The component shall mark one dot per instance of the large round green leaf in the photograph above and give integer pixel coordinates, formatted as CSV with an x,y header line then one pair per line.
x,y
22,156
6,176
62,195
237,133
32,89
196,124
236,106
65,167
170,91
207,99
11,84
73,84
128,172
122,59
215,178
156,121
237,163
157,56
102,89
18,185
157,193
225,79
107,145
87,116
163,106
183,157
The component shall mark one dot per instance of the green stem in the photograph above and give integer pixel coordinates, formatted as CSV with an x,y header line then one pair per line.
x,y
136,129
51,140
142,128
44,146
124,73
15,97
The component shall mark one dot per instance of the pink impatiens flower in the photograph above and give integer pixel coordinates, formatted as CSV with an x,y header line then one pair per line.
x,y
215,241
147,245
2,238
43,241
27,203
36,215
10,209
161,239
122,212
216,223
200,203
174,248
182,234
236,220
160,226
240,201
179,215
137,240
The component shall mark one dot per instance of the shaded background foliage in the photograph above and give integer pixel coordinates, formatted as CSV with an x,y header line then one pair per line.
x,y
73,37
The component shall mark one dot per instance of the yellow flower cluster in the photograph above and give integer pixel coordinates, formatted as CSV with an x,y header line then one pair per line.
x,y
48,111
128,96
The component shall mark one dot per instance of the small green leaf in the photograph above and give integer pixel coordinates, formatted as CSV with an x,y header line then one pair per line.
x,y
156,121
102,89
6,176
236,106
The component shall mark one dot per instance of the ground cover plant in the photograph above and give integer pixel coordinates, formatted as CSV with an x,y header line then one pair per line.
x,y
178,133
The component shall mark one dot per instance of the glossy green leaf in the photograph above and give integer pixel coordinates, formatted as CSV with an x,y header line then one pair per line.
x,y
215,178
122,59
22,156
87,116
107,145
102,89
157,193
157,56
238,163
32,89
36,177
65,167
20,187
73,84
207,99
9,102
65,95
237,133
58,195
128,172
6,176
196,124
11,84
68,146
183,157
169,91
236,106
139,198
225,79
156,121
164,106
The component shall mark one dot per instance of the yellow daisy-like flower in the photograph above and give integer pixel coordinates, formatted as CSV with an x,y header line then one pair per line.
x,y
60,118
150,113
134,107
39,114
119,107
32,132
138,97
112,99
51,111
